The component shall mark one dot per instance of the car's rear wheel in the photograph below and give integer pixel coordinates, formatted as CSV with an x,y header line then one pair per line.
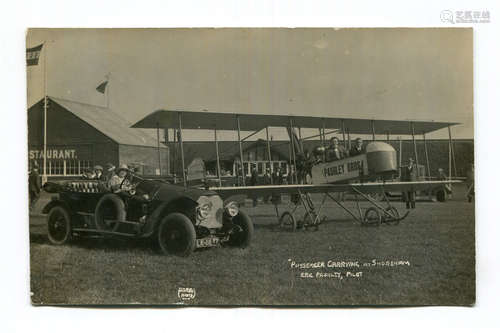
x,y
58,225
176,235
243,231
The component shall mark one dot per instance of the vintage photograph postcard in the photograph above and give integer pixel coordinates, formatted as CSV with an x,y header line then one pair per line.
x,y
251,166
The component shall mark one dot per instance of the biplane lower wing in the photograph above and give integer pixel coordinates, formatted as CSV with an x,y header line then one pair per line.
x,y
265,190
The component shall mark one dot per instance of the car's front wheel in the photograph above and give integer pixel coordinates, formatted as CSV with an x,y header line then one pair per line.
x,y
58,225
243,231
176,235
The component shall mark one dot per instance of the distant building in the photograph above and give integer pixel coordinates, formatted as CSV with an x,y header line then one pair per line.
x,y
81,135
255,153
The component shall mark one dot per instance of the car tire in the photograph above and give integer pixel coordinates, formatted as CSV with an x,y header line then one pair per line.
x,y
109,207
58,225
176,235
242,237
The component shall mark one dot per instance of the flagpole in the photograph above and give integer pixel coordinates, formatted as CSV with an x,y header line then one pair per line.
x,y
44,177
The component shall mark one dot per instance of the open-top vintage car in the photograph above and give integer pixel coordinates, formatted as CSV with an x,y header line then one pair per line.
x,y
176,218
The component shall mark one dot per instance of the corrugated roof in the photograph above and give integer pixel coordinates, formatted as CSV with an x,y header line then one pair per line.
x,y
108,122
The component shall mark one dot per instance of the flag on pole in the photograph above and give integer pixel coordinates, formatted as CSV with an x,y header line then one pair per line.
x,y
102,87
33,54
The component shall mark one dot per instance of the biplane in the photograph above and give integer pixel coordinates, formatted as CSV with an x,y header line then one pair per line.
x,y
369,176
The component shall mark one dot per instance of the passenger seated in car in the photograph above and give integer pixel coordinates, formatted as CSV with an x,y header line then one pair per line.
x,y
115,183
335,152
98,172
88,174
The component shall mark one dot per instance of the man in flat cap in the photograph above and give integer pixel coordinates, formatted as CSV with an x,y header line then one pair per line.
x,y
98,172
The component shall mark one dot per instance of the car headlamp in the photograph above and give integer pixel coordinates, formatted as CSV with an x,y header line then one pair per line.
x,y
204,210
232,209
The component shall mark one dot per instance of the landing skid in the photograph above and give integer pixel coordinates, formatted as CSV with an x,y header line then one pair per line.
x,y
374,215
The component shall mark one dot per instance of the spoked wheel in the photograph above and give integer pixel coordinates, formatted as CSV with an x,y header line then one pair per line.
x,y
176,235
311,220
287,221
243,231
372,217
58,225
391,216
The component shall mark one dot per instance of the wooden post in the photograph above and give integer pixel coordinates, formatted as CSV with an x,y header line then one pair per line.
x,y
400,156
414,147
293,152
452,153
217,156
324,141
427,156
243,173
343,135
158,146
174,146
182,151
269,153
373,130
348,140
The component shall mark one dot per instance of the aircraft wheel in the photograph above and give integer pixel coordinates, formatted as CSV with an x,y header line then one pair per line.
x,y
441,195
388,217
372,217
287,221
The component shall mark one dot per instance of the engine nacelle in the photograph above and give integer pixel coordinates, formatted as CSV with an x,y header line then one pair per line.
x,y
382,159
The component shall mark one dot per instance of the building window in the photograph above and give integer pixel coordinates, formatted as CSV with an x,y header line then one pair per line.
x,y
70,167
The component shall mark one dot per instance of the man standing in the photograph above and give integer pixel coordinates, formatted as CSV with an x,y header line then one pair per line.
x,y
470,183
34,185
410,175
253,182
358,148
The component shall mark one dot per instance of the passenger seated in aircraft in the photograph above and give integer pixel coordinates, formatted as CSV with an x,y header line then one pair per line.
x,y
318,154
335,152
358,148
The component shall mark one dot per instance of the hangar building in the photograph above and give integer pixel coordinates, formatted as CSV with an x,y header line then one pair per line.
x,y
82,135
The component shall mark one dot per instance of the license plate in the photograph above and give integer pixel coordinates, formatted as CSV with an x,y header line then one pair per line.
x,y
207,242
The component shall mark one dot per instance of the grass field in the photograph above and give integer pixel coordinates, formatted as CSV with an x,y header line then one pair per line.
x,y
436,240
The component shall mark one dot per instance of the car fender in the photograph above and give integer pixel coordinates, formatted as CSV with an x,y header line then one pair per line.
x,y
178,204
55,202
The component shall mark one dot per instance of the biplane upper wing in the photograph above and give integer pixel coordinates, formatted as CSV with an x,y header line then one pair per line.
x,y
265,190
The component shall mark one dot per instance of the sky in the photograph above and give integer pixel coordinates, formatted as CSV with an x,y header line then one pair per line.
x,y
402,74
